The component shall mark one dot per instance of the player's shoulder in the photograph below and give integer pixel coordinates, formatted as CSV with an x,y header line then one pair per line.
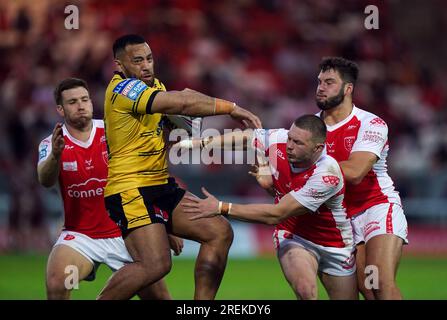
x,y
328,164
273,136
46,141
369,119
158,85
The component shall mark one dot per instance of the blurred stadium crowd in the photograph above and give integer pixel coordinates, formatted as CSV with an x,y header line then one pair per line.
x,y
262,54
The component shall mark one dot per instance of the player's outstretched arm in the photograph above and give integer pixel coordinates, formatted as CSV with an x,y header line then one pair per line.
x,y
48,169
237,140
263,213
192,103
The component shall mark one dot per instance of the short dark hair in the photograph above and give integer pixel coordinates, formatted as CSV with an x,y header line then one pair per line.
x,y
314,125
348,70
121,43
67,84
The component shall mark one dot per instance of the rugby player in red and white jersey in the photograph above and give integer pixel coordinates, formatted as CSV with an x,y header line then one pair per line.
x,y
358,140
75,156
313,234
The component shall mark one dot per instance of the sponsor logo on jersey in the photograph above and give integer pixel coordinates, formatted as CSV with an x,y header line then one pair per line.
x,y
120,86
130,88
102,139
331,180
88,164
280,154
377,122
87,189
349,142
352,126
314,193
70,166
69,237
68,147
373,136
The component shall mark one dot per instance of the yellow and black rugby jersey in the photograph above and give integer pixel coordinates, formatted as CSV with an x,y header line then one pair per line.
x,y
137,154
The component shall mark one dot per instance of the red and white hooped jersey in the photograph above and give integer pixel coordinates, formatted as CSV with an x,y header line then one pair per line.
x,y
319,188
363,131
82,178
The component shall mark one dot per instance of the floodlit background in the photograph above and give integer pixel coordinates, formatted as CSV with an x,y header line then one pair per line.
x,y
261,54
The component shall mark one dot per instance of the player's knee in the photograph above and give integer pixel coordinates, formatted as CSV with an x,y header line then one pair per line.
x,y
161,268
306,290
222,233
386,289
56,285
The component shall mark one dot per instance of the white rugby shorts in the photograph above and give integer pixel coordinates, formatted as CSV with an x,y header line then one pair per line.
x,y
110,251
331,260
384,218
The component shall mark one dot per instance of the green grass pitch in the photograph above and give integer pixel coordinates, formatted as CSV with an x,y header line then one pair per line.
x,y
22,277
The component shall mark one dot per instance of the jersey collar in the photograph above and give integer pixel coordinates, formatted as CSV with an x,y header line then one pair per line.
x,y
344,121
80,143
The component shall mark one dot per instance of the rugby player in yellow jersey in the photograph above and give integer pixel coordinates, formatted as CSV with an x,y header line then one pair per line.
x,y
140,195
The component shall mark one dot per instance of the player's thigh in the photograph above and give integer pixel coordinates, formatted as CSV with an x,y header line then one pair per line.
x,y
64,259
149,244
202,230
298,265
340,287
384,252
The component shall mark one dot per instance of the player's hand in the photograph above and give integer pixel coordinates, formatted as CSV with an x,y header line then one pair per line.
x,y
246,117
263,176
176,244
202,208
57,141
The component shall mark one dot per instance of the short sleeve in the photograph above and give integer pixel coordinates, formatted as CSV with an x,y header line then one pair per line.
x,y
319,188
134,96
372,136
44,149
263,139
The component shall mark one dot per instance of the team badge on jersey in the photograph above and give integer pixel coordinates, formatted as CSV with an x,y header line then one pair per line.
x,y
349,142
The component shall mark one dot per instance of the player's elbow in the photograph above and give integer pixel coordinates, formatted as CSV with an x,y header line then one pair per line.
x,y
275,217
354,178
45,181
